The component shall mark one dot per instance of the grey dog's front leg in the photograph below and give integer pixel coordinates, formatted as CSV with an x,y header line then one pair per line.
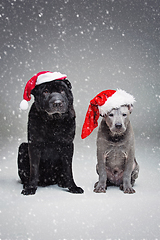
x,y
127,186
100,187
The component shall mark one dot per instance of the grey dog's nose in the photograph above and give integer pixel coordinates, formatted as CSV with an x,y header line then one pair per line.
x,y
118,125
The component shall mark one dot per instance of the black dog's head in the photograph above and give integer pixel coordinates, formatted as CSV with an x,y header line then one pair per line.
x,y
54,97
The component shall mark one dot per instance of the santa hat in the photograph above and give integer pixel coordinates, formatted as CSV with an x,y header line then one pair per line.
x,y
103,103
39,78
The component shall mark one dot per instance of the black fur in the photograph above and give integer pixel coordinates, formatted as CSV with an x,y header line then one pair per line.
x,y
47,157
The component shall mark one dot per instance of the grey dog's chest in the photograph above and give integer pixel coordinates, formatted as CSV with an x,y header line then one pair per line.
x,y
115,162
115,157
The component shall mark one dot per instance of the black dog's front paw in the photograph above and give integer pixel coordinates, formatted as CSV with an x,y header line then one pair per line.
x,y
76,190
29,191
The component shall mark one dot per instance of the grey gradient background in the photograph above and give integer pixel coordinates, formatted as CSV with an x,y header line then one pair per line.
x,y
99,45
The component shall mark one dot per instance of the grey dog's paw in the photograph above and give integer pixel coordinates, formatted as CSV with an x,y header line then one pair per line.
x,y
128,189
99,188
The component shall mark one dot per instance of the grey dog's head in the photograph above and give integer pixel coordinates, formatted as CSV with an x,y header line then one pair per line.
x,y
118,119
54,97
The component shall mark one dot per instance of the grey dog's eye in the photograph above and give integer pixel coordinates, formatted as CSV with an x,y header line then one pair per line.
x,y
124,114
111,115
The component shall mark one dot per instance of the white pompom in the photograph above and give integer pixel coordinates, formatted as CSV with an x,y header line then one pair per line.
x,y
24,104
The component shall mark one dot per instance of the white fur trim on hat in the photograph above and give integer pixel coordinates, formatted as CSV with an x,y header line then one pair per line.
x,y
24,105
49,76
118,99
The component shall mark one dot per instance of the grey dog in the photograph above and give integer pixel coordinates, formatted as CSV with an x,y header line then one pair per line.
x,y
116,151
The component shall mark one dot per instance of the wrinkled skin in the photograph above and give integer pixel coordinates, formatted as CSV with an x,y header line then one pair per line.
x,y
47,157
115,152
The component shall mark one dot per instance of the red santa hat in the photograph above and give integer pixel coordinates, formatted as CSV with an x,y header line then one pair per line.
x,y
39,78
103,103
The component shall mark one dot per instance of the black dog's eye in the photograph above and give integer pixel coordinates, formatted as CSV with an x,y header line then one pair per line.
x,y
111,115
61,90
45,91
124,114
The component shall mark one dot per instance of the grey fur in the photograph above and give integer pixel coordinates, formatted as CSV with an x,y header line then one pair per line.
x,y
116,151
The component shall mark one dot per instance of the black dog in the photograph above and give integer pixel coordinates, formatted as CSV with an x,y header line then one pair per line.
x,y
47,157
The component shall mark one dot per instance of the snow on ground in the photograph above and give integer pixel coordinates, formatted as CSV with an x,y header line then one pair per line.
x,y
54,213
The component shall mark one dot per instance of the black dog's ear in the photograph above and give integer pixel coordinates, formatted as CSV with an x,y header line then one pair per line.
x,y
67,82
34,90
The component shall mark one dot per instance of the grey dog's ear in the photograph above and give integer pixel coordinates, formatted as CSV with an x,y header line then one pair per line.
x,y
67,82
130,108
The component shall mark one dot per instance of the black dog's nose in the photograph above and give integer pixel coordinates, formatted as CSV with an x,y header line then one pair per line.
x,y
118,125
57,103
